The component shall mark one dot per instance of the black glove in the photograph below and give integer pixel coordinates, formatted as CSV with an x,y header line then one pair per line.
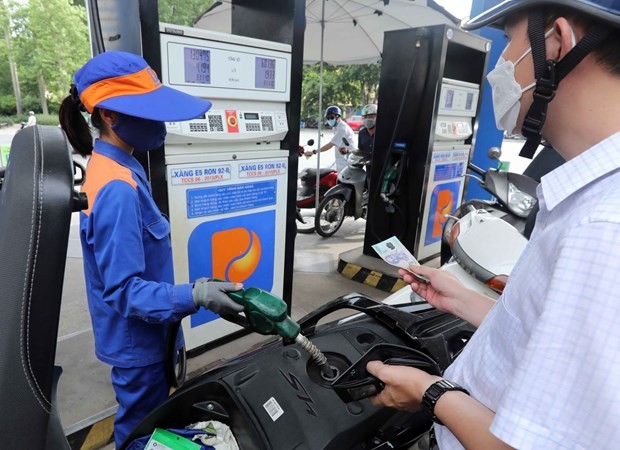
x,y
212,295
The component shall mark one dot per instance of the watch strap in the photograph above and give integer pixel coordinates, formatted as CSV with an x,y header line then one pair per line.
x,y
434,393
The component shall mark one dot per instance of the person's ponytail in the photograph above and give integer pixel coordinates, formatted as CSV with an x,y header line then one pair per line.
x,y
74,125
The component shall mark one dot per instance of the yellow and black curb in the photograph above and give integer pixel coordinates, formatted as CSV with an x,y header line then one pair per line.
x,y
94,436
382,281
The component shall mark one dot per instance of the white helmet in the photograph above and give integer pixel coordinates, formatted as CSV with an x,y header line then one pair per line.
x,y
369,109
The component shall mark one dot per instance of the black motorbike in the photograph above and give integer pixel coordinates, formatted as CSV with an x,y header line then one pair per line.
x,y
279,398
348,198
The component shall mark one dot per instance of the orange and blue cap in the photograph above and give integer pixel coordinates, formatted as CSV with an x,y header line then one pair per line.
x,y
124,82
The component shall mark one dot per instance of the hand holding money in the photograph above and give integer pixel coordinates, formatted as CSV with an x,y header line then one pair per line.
x,y
393,252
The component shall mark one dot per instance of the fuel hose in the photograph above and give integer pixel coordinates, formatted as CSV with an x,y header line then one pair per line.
x,y
175,360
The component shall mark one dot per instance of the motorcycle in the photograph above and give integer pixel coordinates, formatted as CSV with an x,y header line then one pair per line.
x,y
508,191
280,397
348,198
502,221
306,193
514,197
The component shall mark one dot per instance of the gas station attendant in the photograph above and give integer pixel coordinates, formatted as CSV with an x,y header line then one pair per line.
x,y
132,298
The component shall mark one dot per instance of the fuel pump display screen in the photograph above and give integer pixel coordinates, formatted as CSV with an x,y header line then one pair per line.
x,y
197,65
265,73
211,65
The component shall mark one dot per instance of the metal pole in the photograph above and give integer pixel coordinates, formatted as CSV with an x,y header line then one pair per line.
x,y
320,128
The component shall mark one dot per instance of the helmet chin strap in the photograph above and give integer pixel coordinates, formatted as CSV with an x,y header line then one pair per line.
x,y
549,73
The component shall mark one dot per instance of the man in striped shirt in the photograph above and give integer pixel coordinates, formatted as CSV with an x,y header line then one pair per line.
x,y
543,369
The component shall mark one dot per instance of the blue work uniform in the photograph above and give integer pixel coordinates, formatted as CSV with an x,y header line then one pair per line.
x,y
129,281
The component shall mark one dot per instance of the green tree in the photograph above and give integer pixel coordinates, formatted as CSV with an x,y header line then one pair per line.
x,y
182,12
7,52
52,44
345,86
366,78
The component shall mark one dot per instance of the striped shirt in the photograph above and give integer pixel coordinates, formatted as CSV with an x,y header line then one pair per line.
x,y
546,358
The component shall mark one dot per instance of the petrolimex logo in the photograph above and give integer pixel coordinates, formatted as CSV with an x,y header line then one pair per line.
x,y
236,254
238,249
443,200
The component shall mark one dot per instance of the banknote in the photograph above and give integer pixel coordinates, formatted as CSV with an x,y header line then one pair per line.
x,y
393,252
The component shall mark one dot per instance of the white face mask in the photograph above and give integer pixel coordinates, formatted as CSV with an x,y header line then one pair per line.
x,y
507,92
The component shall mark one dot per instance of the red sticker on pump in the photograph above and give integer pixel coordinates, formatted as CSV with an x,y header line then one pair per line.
x,y
231,121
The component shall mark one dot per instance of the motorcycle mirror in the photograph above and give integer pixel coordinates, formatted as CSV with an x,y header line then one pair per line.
x,y
79,173
311,142
494,153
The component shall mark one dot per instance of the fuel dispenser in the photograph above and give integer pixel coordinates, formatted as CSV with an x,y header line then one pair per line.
x,y
429,97
222,179
226,174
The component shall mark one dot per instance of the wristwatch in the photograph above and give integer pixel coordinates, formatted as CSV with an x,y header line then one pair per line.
x,y
314,151
434,392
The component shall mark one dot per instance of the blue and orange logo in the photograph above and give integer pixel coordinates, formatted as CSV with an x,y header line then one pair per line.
x,y
443,201
236,254
239,249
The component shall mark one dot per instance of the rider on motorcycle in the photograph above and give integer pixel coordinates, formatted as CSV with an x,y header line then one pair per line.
x,y
542,369
341,130
366,136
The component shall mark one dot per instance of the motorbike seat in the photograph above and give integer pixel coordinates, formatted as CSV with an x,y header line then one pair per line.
x,y
36,197
310,173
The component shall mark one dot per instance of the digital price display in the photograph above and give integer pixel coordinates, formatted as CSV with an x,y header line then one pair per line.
x,y
470,101
197,65
265,73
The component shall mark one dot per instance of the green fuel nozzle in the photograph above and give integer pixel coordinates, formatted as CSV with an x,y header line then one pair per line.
x,y
388,178
266,314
